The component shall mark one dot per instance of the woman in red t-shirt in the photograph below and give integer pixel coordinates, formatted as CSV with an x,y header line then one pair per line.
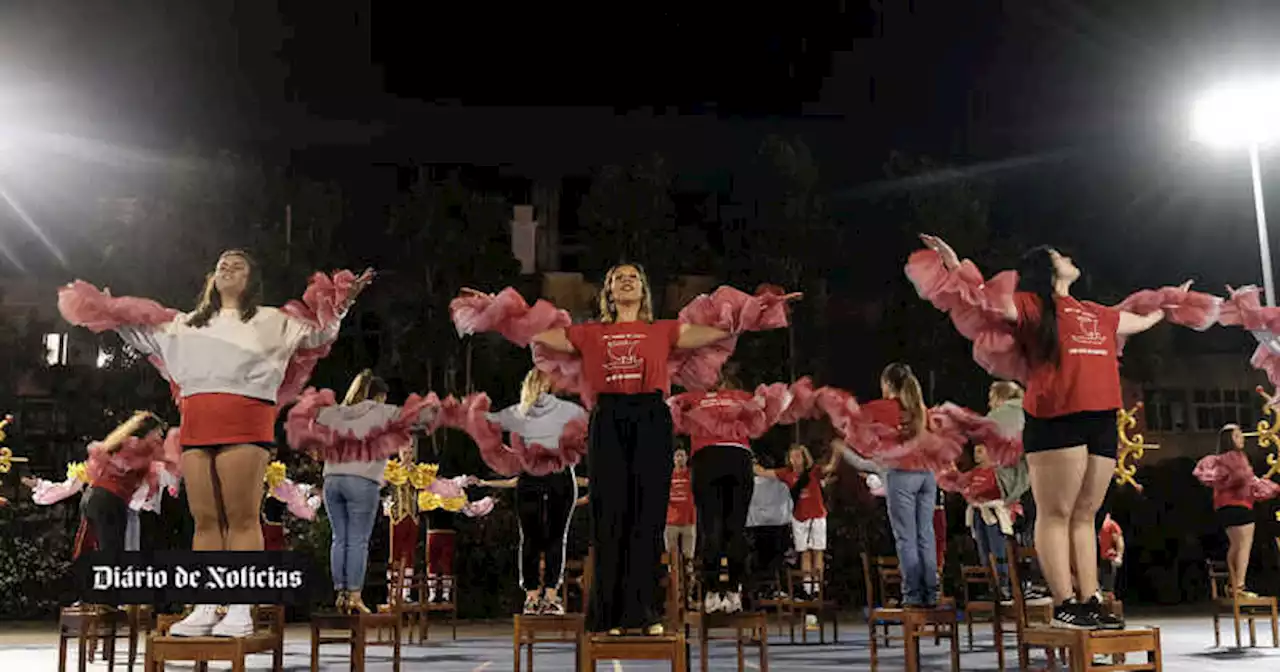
x,y
1235,489
809,516
619,365
681,515
1072,395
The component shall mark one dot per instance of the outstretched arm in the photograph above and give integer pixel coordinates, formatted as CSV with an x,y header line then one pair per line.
x,y
506,483
952,262
765,473
557,339
1135,324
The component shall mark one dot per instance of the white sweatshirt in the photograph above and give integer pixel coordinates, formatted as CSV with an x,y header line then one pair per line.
x,y
227,355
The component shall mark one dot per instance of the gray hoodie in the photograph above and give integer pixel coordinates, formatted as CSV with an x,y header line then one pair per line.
x,y
542,423
360,419
1013,481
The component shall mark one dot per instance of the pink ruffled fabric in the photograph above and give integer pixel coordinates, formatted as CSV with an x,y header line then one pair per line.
x,y
978,308
1264,489
134,459
480,507
1002,450
1244,309
953,480
1231,475
48,492
731,310
86,306
734,420
803,404
508,314
328,444
869,438
295,499
323,303
470,415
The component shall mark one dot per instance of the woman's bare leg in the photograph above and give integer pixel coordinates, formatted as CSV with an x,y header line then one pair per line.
x,y
1056,480
240,473
1084,533
1241,538
197,473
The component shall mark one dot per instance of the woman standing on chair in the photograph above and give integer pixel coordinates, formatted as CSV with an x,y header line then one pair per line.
x,y
1235,489
1066,352
620,364
232,361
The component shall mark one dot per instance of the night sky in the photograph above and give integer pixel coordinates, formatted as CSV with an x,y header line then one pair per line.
x,y
1075,110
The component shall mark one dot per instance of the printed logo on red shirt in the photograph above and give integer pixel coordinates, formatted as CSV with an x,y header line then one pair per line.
x,y
1088,332
621,359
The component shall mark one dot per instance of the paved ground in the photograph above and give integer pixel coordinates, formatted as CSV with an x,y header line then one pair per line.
x,y
1187,642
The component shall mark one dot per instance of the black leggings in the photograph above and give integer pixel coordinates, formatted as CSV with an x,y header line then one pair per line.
x,y
108,517
722,485
544,505
630,448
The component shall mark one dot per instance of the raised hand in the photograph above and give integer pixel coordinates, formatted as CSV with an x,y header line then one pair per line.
x,y
949,257
1186,286
467,291
362,282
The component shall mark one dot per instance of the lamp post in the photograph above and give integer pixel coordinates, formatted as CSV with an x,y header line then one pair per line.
x,y
1248,115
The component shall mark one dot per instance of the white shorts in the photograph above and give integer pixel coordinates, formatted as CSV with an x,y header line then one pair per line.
x,y
809,535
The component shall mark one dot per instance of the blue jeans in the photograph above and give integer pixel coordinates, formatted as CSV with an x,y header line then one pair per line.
x,y
990,540
911,496
352,503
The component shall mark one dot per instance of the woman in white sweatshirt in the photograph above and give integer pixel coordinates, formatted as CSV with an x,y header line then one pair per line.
x,y
232,363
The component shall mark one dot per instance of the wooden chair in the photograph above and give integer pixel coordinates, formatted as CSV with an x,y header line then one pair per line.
x,y
87,624
798,609
413,615
670,647
577,581
356,629
531,630
440,585
161,647
751,628
1226,601
1078,647
914,622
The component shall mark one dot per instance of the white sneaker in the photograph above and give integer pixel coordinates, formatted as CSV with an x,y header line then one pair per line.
x,y
732,602
237,623
199,623
811,622
712,603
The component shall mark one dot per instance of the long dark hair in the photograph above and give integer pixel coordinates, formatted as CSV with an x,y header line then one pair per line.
x,y
1035,275
1225,444
904,384
210,301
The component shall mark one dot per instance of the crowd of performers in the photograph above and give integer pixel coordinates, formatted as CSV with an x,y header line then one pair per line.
x,y
233,364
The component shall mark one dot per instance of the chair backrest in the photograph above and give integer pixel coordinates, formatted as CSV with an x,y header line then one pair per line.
x,y
976,575
1016,555
1220,579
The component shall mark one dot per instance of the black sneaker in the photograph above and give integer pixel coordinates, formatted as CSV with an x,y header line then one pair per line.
x,y
1106,620
1072,615
1036,596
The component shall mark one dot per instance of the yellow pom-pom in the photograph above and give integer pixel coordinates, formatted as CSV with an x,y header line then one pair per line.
x,y
424,475
395,474
428,501
275,475
453,504
78,471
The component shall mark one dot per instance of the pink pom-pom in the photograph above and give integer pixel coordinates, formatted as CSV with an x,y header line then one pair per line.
x,y
84,305
479,508
735,311
506,313
324,301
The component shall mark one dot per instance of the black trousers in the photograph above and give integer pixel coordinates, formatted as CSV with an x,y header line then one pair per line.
x,y
630,444
722,485
108,517
769,545
544,505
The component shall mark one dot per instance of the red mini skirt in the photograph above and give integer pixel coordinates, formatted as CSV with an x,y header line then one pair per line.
x,y
218,419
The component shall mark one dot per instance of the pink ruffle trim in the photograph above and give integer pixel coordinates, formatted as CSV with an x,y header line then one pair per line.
x,y
137,456
86,306
506,313
1264,489
470,415
731,310
957,421
328,444
1244,309
324,301
978,308
803,404
480,507
738,420
291,494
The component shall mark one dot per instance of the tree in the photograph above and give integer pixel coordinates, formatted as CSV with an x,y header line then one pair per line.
x,y
630,215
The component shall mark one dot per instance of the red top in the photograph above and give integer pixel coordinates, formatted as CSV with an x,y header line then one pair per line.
x,y
1087,377
122,484
1107,538
680,509
625,357
889,412
810,504
982,486
726,404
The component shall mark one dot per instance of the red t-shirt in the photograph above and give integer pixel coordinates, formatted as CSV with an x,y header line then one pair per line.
x,y
625,357
1087,377
887,412
810,504
725,406
982,486
680,509
1107,538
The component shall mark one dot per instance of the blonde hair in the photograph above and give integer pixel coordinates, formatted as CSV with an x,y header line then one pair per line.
x,y
535,384
359,389
609,311
1007,390
906,388
804,450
